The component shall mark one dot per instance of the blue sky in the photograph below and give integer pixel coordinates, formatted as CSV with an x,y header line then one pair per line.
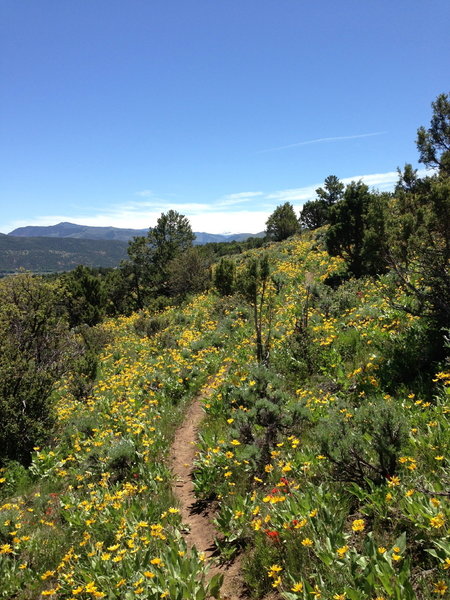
x,y
113,111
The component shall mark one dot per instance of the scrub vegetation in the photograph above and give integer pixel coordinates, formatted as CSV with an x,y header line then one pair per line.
x,y
321,361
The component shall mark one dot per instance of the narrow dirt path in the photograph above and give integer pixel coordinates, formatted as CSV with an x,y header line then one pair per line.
x,y
201,532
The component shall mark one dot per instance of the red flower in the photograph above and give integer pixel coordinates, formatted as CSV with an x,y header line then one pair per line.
x,y
272,534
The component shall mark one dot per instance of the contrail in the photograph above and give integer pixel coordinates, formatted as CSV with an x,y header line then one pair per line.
x,y
326,139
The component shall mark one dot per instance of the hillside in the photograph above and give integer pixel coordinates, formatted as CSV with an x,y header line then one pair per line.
x,y
42,254
325,464
71,230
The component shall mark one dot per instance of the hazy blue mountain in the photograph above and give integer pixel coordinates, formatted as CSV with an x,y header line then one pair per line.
x,y
49,255
71,230
85,232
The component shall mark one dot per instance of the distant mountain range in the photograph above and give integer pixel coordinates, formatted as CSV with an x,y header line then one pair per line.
x,y
85,232
50,255
63,246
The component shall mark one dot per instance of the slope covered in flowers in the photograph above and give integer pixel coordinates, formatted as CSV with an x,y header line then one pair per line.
x,y
338,487
99,520
330,471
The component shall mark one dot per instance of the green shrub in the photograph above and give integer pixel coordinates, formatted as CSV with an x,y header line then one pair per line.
x,y
364,443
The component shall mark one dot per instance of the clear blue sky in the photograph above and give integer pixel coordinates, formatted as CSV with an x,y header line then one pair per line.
x,y
113,111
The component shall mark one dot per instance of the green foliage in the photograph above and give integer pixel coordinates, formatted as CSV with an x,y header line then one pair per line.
x,y
356,231
419,247
36,348
149,325
434,143
84,364
264,417
315,213
255,284
148,268
84,296
225,276
188,273
282,223
364,443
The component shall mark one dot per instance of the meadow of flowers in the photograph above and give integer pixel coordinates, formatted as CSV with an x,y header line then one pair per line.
x,y
338,488
95,517
330,471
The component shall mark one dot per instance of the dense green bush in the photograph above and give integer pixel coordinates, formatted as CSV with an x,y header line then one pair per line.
x,y
364,443
36,349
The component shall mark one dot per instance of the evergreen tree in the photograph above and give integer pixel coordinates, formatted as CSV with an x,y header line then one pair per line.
x,y
224,277
150,255
282,223
434,143
315,213
356,231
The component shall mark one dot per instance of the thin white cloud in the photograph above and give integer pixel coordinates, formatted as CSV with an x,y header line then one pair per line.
x,y
145,193
338,138
242,195
240,198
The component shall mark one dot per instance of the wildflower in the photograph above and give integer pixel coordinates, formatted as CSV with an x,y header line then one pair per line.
x,y
297,587
340,596
316,592
358,525
394,480
273,570
381,549
440,587
149,574
276,582
446,564
342,550
307,542
47,574
77,590
437,521
299,524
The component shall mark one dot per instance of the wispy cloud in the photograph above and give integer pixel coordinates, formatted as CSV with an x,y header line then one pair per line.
x,y
338,138
239,198
145,193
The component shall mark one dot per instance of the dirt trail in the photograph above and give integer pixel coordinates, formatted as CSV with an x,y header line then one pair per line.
x,y
197,517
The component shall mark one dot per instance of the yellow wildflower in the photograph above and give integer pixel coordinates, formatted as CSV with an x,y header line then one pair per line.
x,y
297,587
358,525
440,587
342,550
437,521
